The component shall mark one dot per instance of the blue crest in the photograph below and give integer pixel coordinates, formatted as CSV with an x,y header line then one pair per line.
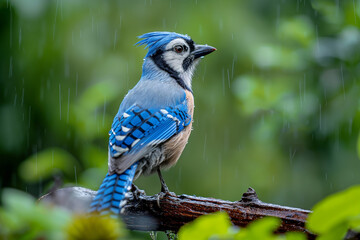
x,y
156,40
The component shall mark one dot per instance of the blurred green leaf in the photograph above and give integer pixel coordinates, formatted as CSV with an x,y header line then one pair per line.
x,y
298,29
21,217
335,233
43,164
354,223
211,226
332,216
95,227
260,229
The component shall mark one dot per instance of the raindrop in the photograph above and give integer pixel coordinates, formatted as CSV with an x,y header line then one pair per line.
x,y
61,10
292,155
10,34
204,152
56,10
72,38
103,119
60,99
68,107
115,36
232,67
297,5
350,125
342,79
304,88
320,118
220,163
164,21
228,75
19,37
15,99
278,16
75,175
11,67
221,25
22,97
317,41
300,95
203,75
223,81
29,116
36,161
54,31
76,83
354,6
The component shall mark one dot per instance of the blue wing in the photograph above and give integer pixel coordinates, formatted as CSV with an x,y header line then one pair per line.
x,y
137,128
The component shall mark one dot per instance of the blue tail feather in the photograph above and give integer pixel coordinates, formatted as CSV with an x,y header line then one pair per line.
x,y
112,191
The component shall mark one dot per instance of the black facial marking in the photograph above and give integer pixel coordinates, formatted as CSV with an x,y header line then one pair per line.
x,y
187,62
159,61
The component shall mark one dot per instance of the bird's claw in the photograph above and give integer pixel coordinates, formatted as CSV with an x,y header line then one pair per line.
x,y
162,194
137,192
159,197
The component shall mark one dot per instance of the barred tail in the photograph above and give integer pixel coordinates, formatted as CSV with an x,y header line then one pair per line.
x,y
110,197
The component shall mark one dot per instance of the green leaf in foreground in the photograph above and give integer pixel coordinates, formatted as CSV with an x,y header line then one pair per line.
x,y
22,218
214,226
93,227
217,226
332,217
260,229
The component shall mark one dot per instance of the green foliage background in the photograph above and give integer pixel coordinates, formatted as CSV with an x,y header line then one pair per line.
x,y
277,106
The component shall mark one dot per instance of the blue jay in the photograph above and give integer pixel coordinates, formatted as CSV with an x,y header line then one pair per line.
x,y
154,120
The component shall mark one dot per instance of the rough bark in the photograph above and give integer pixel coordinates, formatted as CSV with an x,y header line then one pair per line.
x,y
169,211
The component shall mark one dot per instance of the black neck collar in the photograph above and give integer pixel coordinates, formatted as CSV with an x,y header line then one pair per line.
x,y
159,61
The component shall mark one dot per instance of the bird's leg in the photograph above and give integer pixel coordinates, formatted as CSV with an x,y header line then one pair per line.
x,y
164,188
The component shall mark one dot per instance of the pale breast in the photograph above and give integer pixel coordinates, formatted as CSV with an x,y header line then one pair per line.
x,y
175,146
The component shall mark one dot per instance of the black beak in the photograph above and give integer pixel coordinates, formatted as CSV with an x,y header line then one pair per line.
x,y
202,50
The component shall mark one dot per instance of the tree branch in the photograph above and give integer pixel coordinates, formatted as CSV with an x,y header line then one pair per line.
x,y
169,211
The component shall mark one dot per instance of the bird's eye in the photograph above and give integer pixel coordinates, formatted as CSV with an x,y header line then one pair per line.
x,y
178,49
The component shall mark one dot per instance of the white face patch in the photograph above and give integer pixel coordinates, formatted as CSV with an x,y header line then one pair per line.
x,y
173,59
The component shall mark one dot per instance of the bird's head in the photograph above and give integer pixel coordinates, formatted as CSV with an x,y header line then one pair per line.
x,y
175,54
